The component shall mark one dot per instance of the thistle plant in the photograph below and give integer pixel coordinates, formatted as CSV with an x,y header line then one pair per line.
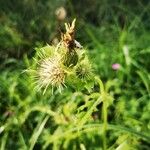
x,y
67,65
68,61
56,64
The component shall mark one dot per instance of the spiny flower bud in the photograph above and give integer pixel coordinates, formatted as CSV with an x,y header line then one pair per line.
x,y
83,70
70,58
50,72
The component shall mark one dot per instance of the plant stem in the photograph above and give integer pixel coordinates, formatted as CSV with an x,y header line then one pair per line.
x,y
104,122
104,111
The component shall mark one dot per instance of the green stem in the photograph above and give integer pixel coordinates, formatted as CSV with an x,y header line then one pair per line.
x,y
104,123
104,111
101,86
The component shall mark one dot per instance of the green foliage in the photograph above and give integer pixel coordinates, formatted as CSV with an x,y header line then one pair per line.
x,y
76,118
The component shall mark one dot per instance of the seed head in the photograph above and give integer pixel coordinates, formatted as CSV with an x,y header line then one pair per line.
x,y
50,72
61,13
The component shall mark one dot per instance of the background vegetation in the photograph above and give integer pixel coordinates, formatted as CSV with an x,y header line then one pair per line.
x,y
112,32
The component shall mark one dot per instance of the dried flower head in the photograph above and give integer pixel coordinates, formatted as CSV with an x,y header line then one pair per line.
x,y
61,13
71,45
50,72
68,38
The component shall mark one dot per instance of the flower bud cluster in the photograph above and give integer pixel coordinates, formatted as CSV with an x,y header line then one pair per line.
x,y
56,64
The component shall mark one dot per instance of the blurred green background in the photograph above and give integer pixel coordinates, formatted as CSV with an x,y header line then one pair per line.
x,y
112,32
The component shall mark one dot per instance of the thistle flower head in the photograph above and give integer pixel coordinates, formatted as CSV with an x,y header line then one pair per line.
x,y
83,70
55,63
50,72
116,66
61,13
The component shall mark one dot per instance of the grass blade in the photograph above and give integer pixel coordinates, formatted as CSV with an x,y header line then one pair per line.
x,y
37,132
